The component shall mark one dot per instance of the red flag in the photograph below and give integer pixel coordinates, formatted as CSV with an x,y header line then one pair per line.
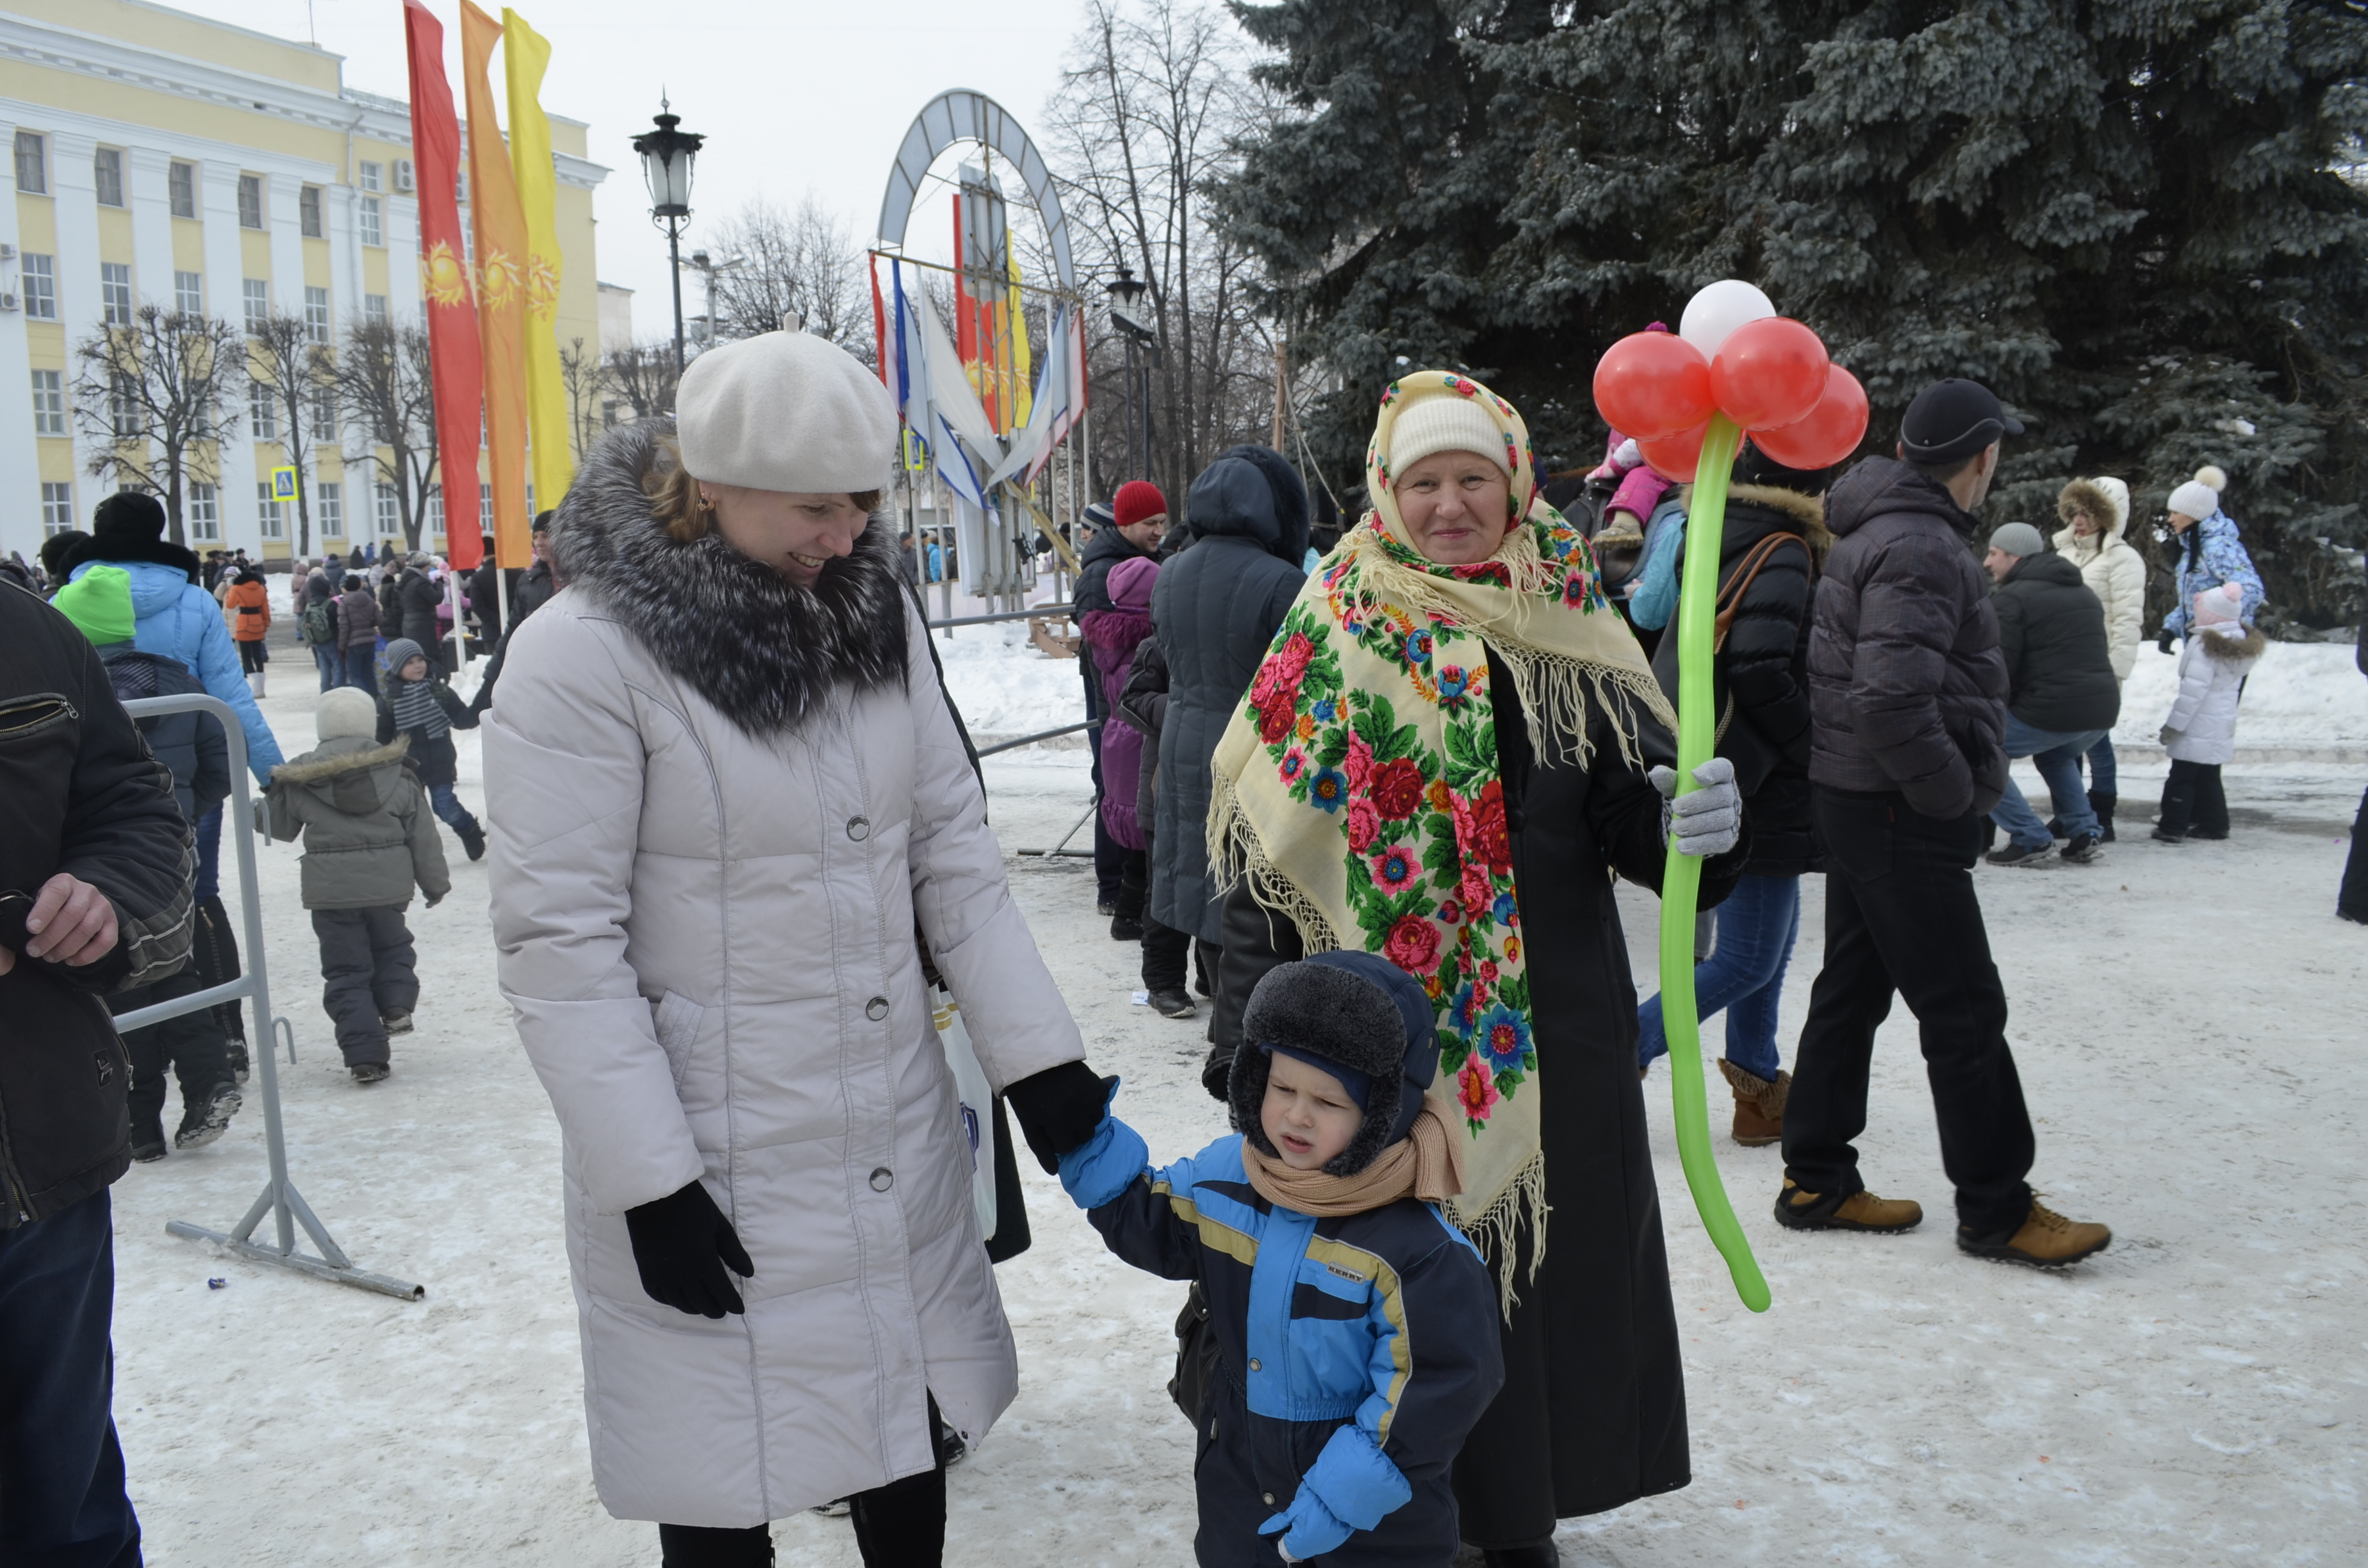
x,y
499,222
454,360
880,325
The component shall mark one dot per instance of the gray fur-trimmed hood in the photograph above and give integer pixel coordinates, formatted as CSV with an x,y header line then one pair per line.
x,y
766,652
1353,1008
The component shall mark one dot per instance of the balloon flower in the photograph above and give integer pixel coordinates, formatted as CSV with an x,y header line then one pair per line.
x,y
1733,367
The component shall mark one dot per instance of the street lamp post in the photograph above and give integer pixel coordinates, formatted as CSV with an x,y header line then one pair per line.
x,y
666,156
1125,290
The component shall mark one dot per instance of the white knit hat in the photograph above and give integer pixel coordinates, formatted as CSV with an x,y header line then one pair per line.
x,y
785,411
348,710
2200,497
2223,605
1444,424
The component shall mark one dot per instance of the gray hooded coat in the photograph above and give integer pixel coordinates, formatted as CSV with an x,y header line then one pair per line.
x,y
368,833
1215,613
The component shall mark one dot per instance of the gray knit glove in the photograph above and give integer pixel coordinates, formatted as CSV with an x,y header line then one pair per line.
x,y
1708,820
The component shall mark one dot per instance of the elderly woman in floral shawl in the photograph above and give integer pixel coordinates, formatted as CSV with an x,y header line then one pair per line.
x,y
1449,750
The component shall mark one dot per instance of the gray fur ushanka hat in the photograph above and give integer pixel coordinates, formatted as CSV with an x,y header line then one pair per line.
x,y
1354,1010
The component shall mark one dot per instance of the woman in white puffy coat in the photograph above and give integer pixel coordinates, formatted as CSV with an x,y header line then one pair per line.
x,y
2096,515
728,797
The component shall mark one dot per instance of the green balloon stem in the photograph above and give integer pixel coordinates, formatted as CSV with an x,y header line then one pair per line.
x,y
1681,882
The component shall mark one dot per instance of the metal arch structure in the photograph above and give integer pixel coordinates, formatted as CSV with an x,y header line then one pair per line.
x,y
960,116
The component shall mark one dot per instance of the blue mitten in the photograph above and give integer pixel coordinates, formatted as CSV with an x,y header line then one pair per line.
x,y
1310,1528
1096,1171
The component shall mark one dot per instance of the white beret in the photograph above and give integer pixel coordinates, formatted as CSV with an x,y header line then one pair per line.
x,y
785,411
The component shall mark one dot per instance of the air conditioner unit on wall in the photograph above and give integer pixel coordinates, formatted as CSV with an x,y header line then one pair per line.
x,y
8,301
404,181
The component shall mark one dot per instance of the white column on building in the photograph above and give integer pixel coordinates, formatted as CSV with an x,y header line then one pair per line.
x,y
74,195
147,174
401,219
20,511
242,526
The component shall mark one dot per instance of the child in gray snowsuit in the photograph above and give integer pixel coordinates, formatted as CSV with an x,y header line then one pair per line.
x,y
368,838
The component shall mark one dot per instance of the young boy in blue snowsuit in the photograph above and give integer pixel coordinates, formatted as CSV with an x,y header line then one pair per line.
x,y
1357,1347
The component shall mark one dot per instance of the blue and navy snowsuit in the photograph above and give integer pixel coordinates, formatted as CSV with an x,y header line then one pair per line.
x,y
1356,1352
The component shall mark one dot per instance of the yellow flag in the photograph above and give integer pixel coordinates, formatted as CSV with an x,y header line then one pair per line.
x,y
1015,326
525,55
501,263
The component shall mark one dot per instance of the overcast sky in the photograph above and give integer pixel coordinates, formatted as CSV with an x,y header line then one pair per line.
x,y
795,95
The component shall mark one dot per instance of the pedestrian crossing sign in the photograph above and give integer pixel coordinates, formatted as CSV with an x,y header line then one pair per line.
x,y
283,484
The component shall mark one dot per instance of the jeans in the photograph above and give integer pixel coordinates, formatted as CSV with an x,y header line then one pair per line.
x,y
2102,774
2058,757
449,809
1902,915
62,1499
361,668
1745,975
333,668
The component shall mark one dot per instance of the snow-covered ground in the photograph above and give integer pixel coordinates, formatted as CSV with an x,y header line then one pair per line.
x,y
2187,1020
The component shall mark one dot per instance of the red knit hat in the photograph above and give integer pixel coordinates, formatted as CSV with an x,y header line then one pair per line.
x,y
1138,501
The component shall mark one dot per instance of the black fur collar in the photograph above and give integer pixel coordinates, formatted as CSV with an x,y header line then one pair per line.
x,y
116,550
766,652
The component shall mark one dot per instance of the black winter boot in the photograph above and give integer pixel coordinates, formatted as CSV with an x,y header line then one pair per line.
x,y
2101,802
472,838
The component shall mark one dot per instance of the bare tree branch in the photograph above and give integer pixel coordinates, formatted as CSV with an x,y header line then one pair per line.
x,y
152,400
644,374
785,268
301,373
383,382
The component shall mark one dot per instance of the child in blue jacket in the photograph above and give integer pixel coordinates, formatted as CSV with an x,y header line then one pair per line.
x,y
1357,1329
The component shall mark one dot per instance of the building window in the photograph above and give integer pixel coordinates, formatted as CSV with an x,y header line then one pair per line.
x,y
372,177
307,211
57,506
608,413
204,515
269,508
436,511
39,276
106,174
250,201
32,164
374,308
331,504
258,293
181,186
115,292
190,293
124,406
485,508
373,228
263,410
316,314
49,402
390,516
324,405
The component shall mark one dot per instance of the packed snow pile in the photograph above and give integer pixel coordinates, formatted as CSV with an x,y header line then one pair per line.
x,y
2302,696
1005,684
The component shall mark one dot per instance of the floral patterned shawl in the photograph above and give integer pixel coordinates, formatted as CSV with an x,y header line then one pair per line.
x,y
1357,789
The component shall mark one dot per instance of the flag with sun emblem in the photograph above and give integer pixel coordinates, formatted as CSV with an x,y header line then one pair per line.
x,y
498,224
525,55
454,357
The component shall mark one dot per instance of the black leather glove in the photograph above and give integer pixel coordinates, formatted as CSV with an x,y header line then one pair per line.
x,y
1058,1109
681,1243
2162,643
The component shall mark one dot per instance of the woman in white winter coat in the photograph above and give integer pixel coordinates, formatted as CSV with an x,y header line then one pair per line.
x,y
2096,516
728,800
2200,732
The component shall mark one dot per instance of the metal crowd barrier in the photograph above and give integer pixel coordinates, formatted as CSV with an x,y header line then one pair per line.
x,y
279,1199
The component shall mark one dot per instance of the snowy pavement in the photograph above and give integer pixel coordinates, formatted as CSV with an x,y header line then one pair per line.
x,y
2186,1021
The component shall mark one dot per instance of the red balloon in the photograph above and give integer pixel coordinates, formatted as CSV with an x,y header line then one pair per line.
x,y
1830,433
1652,385
1769,373
1677,456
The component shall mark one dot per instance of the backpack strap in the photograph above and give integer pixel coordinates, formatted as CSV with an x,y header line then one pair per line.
x,y
1730,598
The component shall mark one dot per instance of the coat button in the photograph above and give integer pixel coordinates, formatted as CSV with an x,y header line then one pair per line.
x,y
876,1009
1254,1365
882,1179
1268,1498
859,828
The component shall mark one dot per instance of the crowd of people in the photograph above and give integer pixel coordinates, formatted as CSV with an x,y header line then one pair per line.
x,y
1348,786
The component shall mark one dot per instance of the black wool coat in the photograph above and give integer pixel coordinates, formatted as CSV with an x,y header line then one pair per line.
x,y
2059,668
416,598
1214,610
1592,1413
1763,672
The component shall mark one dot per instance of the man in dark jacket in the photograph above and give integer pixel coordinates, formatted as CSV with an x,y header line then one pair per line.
x,y
416,597
1132,525
485,598
1214,612
97,860
2062,694
1908,696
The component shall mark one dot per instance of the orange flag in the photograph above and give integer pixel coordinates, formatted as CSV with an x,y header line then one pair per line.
x,y
497,224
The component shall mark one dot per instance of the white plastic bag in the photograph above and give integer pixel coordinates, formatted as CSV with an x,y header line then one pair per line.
x,y
977,1105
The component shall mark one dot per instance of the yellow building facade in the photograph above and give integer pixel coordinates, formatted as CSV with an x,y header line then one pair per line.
x,y
163,157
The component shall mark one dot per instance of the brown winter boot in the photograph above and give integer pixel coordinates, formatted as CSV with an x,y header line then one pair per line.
x,y
2044,1240
1862,1211
1759,1105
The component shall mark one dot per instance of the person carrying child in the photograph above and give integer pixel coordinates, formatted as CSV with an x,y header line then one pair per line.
x,y
191,747
2200,732
416,701
1356,1330
368,839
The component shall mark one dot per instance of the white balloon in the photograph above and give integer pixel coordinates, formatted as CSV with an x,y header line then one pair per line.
x,y
1718,309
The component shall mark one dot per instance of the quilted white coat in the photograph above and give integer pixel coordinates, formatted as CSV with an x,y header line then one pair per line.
x,y
2212,669
708,943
